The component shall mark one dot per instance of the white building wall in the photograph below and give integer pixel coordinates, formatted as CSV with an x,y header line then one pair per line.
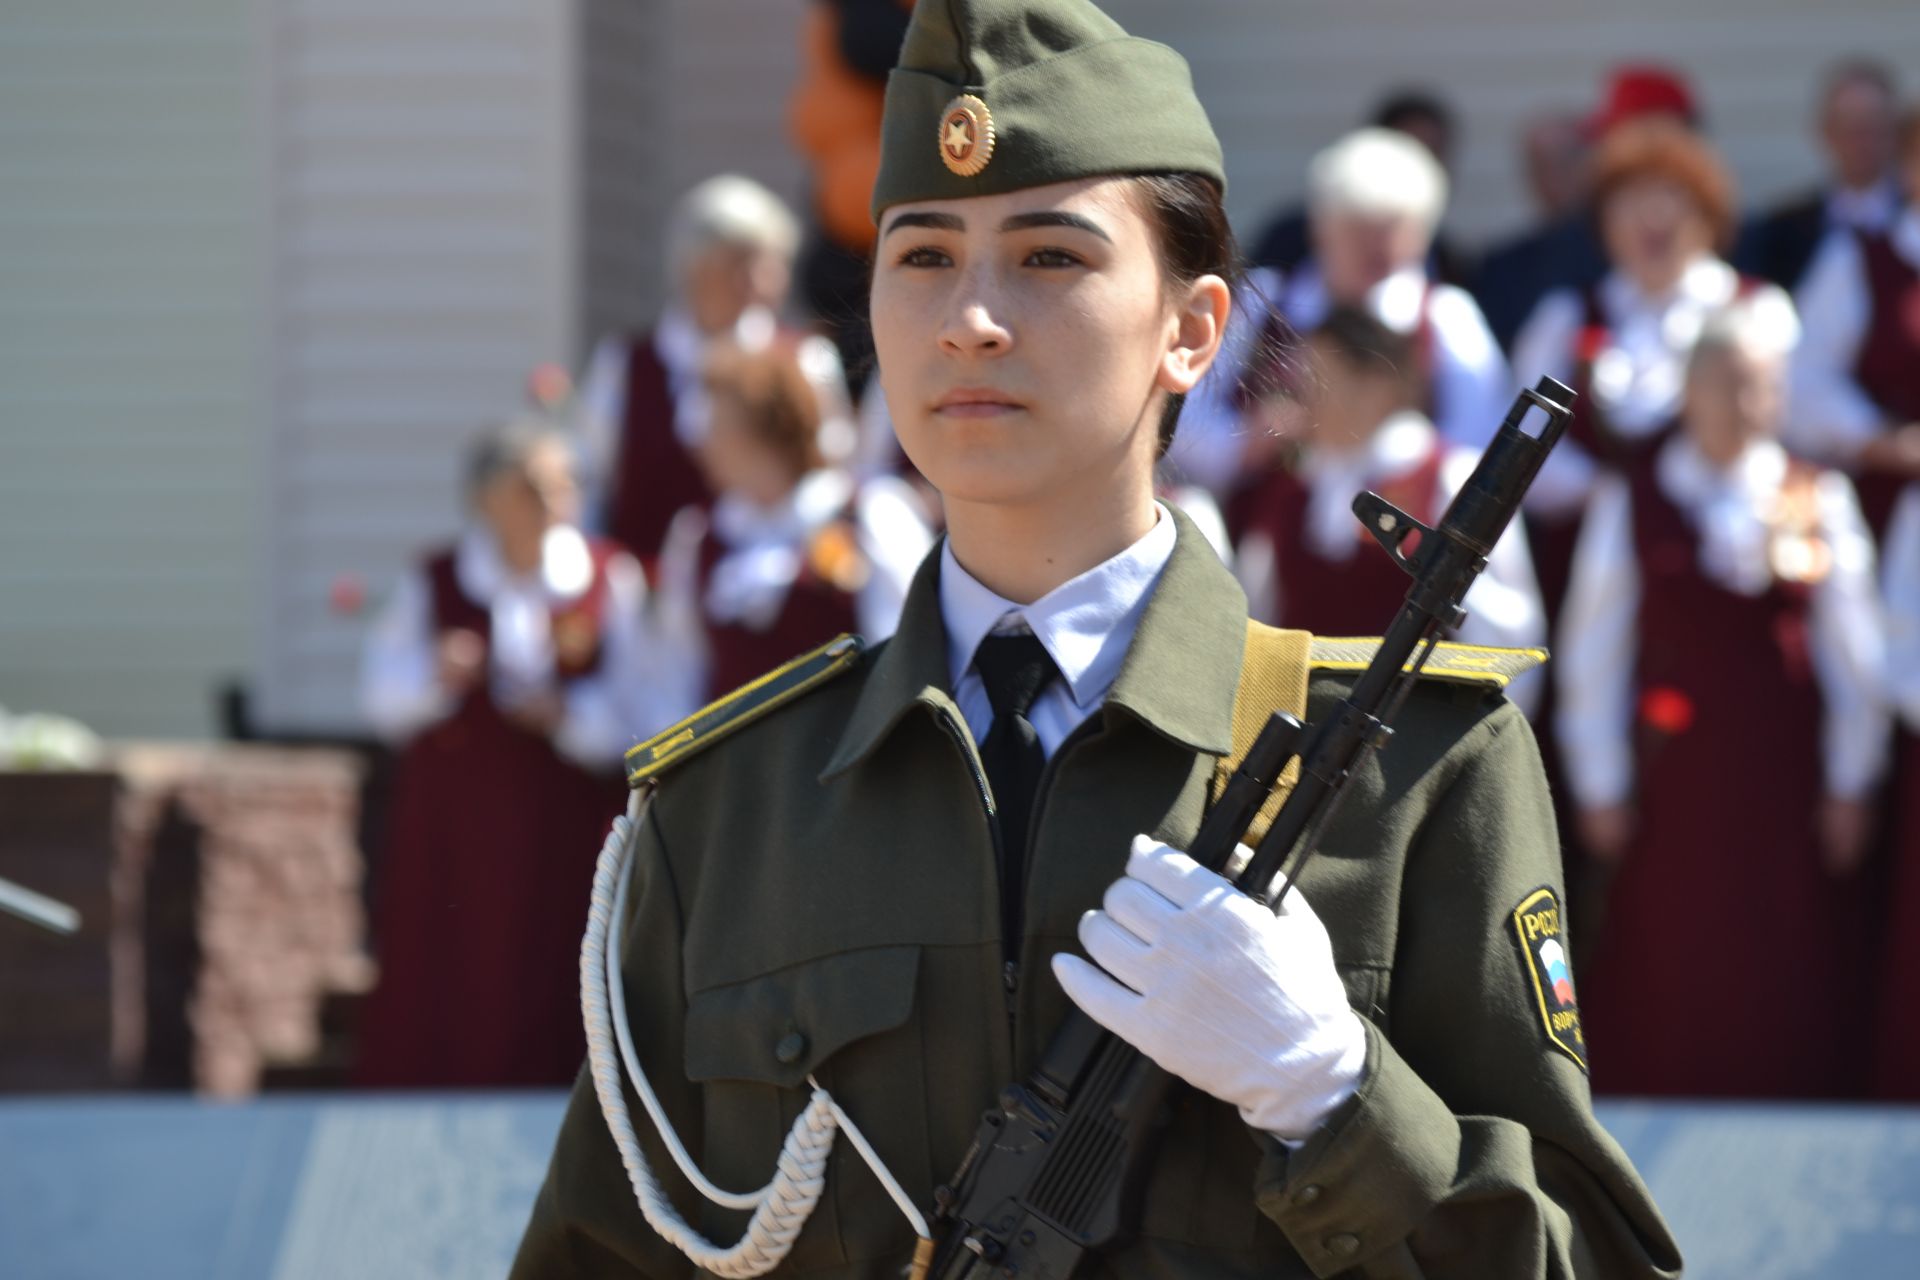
x,y
129,308
422,262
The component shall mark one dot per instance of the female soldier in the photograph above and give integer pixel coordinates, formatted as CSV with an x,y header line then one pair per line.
x,y
847,887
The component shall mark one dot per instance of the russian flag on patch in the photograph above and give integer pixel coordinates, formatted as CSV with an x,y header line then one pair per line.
x,y
1553,958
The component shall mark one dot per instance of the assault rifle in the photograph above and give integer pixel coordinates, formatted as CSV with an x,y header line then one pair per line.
x,y
1058,1166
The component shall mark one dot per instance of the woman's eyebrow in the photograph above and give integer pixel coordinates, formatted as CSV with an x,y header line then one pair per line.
x,y
936,221
1054,218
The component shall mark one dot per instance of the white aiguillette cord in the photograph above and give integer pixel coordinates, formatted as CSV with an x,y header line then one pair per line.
x,y
781,1207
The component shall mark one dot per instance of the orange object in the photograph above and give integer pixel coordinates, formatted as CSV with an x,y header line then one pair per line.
x,y
836,123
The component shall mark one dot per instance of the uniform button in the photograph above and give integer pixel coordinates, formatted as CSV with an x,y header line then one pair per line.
x,y
1305,1196
1343,1245
792,1048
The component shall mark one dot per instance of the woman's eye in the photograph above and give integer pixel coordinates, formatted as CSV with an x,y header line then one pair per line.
x,y
924,256
1052,258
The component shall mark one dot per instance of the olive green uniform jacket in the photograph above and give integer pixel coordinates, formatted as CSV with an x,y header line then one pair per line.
x,y
817,894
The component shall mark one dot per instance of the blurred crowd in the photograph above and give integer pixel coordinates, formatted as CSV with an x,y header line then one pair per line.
x,y
1723,556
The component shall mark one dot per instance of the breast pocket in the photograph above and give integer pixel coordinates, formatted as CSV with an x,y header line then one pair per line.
x,y
848,1020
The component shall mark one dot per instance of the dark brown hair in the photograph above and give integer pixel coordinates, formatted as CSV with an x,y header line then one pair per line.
x,y
780,407
1663,148
1365,343
1195,239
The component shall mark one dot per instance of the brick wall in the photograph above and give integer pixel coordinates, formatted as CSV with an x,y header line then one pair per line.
x,y
220,891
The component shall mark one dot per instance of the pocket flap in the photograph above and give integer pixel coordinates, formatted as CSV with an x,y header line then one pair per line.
x,y
777,1027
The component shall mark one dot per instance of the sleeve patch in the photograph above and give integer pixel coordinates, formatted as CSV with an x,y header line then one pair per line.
x,y
1536,927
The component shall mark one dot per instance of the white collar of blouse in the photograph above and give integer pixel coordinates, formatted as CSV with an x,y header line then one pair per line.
x,y
1706,282
1730,508
566,566
681,346
818,498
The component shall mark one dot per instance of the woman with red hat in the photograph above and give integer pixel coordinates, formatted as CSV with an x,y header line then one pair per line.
x,y
1665,206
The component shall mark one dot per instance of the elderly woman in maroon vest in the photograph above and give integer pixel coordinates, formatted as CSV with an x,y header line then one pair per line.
x,y
1307,562
1857,376
792,552
1722,737
1665,205
1897,1063
510,669
642,410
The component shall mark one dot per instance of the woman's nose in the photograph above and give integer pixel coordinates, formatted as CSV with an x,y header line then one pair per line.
x,y
976,325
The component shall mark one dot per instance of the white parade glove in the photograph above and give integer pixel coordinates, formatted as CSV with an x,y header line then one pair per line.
x,y
1218,990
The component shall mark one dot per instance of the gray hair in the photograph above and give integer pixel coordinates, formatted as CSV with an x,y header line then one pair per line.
x,y
505,448
1376,172
1761,324
729,209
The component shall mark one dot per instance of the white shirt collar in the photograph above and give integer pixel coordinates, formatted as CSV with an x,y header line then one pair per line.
x,y
1086,623
566,566
681,346
1706,282
819,497
1398,300
1690,479
1729,507
1870,208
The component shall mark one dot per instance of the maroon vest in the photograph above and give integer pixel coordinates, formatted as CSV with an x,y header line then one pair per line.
x,y
815,610
1350,597
1888,366
654,475
578,624
1740,667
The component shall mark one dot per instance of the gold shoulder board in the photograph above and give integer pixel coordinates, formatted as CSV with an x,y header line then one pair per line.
x,y
741,708
1460,663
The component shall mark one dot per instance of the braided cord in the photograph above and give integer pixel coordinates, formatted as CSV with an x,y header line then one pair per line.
x,y
781,1207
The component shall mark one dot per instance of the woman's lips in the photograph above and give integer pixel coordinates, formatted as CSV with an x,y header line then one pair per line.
x,y
976,409
974,404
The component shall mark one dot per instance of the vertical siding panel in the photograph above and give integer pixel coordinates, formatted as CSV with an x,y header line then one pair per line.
x,y
423,247
127,415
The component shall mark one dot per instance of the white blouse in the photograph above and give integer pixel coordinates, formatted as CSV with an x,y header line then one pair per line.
x,y
1901,591
1640,376
1598,624
604,712
1832,417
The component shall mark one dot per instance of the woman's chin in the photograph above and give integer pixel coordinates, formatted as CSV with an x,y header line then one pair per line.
x,y
986,477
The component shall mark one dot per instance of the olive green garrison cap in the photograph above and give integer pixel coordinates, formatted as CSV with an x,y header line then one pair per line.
x,y
999,95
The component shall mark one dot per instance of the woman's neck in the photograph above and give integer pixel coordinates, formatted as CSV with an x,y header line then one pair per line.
x,y
1022,551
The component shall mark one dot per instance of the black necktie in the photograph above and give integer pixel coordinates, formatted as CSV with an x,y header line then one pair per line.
x,y
1014,668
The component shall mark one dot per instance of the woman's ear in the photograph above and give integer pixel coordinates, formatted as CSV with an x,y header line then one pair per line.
x,y
1199,323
